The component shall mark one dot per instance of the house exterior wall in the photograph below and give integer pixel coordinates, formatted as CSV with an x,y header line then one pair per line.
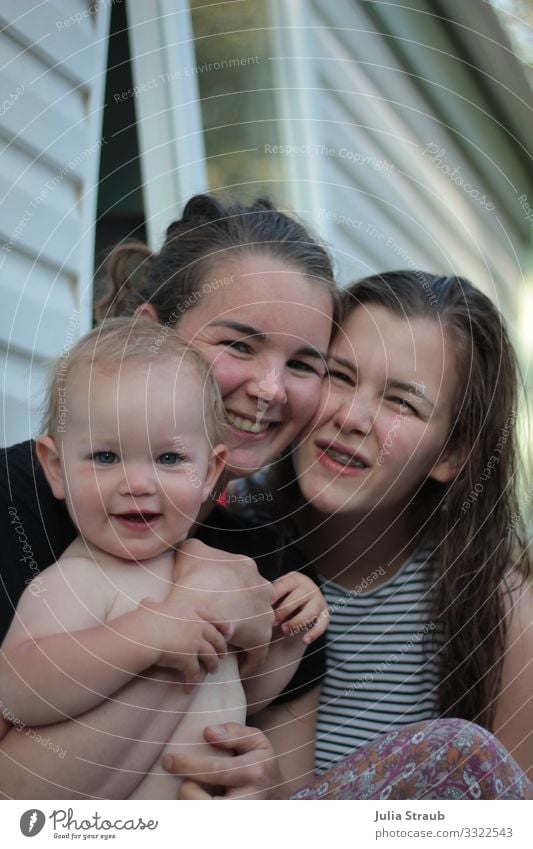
x,y
402,148
52,82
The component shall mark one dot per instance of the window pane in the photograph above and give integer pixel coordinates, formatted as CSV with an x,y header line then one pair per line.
x,y
235,77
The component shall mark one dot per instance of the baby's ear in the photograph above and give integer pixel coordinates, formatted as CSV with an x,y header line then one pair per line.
x,y
215,466
449,465
50,460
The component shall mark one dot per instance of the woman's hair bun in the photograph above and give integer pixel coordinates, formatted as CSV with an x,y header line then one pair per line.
x,y
263,203
199,209
204,208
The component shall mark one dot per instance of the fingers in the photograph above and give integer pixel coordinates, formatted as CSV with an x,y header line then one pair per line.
x,y
251,661
282,586
213,635
301,606
252,772
208,658
313,619
296,590
227,629
319,628
190,790
293,602
205,659
190,669
211,770
241,739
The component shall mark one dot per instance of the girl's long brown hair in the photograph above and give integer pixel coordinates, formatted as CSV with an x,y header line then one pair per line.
x,y
474,523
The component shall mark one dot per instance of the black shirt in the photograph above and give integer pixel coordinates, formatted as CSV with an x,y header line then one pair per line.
x,y
35,529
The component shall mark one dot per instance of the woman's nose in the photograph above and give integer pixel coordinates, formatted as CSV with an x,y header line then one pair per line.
x,y
268,387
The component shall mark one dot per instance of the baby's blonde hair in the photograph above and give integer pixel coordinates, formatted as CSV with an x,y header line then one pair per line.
x,y
124,340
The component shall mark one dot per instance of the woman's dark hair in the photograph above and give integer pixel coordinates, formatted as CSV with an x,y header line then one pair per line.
x,y
473,522
209,233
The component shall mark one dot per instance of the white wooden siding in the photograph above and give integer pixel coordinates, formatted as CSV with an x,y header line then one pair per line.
x,y
54,56
365,88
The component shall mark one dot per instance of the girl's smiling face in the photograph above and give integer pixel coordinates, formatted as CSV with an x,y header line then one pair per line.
x,y
385,416
265,331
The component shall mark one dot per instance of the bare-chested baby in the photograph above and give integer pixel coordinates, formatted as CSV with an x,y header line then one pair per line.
x,y
134,446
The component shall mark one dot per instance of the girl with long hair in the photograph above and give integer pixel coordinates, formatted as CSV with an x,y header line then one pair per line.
x,y
411,473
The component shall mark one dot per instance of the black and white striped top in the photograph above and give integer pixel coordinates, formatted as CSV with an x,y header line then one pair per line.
x,y
381,666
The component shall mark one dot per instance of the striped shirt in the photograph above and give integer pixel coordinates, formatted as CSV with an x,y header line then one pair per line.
x,y
382,671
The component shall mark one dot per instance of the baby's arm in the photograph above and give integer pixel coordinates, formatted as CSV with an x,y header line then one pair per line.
x,y
60,658
300,607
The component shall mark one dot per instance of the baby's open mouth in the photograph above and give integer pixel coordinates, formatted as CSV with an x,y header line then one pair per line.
x,y
137,518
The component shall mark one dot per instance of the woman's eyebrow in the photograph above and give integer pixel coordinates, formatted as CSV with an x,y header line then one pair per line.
x,y
311,352
260,336
245,329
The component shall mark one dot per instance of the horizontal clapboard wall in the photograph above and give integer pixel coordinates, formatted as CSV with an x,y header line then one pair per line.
x,y
51,84
403,145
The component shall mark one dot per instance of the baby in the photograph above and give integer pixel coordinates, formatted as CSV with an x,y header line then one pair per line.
x,y
134,446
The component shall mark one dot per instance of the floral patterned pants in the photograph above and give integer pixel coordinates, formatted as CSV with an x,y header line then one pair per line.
x,y
438,759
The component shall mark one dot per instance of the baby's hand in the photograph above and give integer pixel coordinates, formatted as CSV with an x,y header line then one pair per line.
x,y
186,641
300,606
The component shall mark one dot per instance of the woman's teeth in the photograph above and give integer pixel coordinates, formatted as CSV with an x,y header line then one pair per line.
x,y
246,424
344,459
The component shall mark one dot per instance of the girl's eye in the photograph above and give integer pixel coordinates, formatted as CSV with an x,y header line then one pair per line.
x,y
170,458
106,458
340,375
237,345
403,404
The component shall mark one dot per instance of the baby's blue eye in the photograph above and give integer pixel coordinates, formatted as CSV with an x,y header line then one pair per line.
x,y
107,458
170,458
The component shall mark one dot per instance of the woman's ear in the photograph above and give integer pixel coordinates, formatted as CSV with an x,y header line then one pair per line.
x,y
449,466
147,311
50,460
216,464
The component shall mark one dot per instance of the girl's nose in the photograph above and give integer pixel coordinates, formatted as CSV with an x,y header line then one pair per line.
x,y
354,415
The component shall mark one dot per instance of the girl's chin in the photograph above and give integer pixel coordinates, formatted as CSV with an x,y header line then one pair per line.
x,y
324,499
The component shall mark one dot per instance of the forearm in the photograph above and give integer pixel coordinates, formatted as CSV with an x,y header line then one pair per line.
x,y
105,756
291,728
64,675
283,659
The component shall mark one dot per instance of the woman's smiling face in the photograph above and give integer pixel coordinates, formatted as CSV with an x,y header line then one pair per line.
x,y
265,329
385,417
